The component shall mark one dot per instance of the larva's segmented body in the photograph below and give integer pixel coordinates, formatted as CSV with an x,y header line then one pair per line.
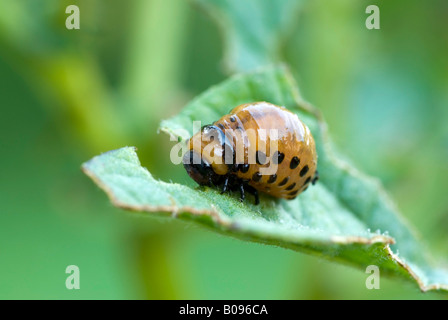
x,y
257,147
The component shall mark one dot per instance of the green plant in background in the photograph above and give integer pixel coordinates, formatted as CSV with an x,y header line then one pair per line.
x,y
134,63
254,31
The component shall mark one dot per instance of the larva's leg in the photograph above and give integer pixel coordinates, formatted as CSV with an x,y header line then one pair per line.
x,y
224,187
257,198
253,191
242,192
316,177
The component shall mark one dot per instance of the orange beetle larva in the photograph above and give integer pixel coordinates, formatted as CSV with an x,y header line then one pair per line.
x,y
258,147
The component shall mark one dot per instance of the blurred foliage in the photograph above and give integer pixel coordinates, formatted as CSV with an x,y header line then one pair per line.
x,y
68,95
254,31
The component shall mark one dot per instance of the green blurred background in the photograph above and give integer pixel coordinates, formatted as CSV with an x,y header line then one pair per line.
x,y
68,95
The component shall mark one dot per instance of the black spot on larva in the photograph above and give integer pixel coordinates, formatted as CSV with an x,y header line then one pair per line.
x,y
278,157
272,178
232,118
244,167
291,186
256,176
284,181
221,126
307,181
304,170
294,163
293,193
260,157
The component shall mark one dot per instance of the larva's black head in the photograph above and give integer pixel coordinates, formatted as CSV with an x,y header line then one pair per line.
x,y
210,156
199,170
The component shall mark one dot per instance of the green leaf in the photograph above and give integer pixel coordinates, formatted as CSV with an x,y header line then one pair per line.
x,y
345,217
253,30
